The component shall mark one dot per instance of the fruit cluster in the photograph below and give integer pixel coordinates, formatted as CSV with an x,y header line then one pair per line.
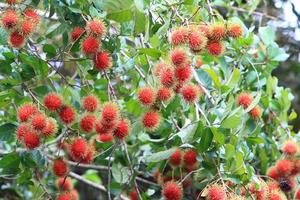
x,y
20,24
95,29
67,192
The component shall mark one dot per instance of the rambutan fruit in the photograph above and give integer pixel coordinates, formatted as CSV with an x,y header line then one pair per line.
x,y
172,191
164,94
67,114
26,27
217,31
32,15
273,173
179,36
167,77
234,30
11,2
78,149
87,123
151,120
204,29
244,100
216,192
96,27
276,195
38,121
175,158
146,96
26,111
50,128
60,167
64,196
133,195
107,137
159,67
122,129
183,72
76,33
215,48
31,140
190,157
74,194
102,60
90,103
260,193
255,112
9,19
53,101
190,93
178,56
287,184
100,128
110,112
16,39
297,194
90,45
296,167
284,167
290,148
197,40
230,183
64,184
273,185
89,157
21,130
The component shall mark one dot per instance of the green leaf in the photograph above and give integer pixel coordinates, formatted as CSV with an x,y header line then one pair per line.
x,y
205,141
267,35
120,173
187,133
155,53
162,155
214,77
234,78
7,132
254,102
10,164
50,50
204,78
234,119
121,16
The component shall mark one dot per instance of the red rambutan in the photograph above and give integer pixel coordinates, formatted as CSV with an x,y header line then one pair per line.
x,y
64,184
183,72
234,30
215,48
87,123
146,96
244,100
107,137
67,114
50,128
284,167
273,185
89,157
31,140
52,101
296,167
90,45
21,130
190,157
179,36
60,167
96,27
164,94
197,40
151,120
216,192
76,33
110,112
102,60
175,158
178,56
273,173
217,31
74,194
190,93
133,195
290,147
297,194
122,129
172,191
9,19
159,67
78,149
32,15
26,27
255,112
16,39
100,128
204,29
167,77
11,2
90,103
26,111
64,196
38,121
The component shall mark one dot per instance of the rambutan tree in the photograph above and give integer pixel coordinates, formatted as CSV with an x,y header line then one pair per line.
x,y
123,99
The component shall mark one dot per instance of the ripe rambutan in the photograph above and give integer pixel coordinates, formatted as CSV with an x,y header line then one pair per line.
x,y
64,196
26,111
96,27
159,67
110,112
276,195
133,195
100,128
183,72
234,30
197,40
244,100
52,101
146,96
16,39
217,31
11,2
9,19
204,29
26,27
122,129
190,157
102,60
297,194
50,128
284,167
60,167
90,45
64,184
175,158
216,192
273,173
190,93
31,140
230,183
151,120
107,137
78,149
273,185
172,191
32,15
167,77
296,167
76,33
290,148
255,112
89,157
179,36
215,48
164,94
67,114
74,194
90,103
38,121
21,130
178,56
87,123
